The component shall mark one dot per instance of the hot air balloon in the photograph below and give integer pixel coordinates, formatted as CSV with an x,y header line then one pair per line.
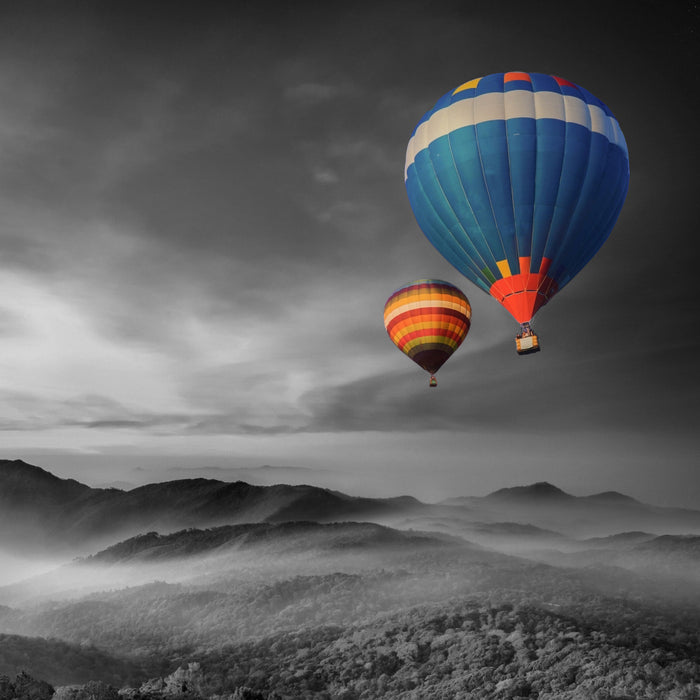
x,y
518,179
428,320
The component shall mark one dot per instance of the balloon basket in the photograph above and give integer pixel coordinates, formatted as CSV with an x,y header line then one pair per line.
x,y
527,344
433,382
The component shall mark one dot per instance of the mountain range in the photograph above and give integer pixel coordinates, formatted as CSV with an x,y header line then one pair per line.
x,y
42,512
600,514
267,588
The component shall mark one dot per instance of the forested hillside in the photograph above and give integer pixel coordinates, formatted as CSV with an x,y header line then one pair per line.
x,y
423,623
469,648
277,610
63,663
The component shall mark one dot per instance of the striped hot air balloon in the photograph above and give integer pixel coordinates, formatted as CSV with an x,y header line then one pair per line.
x,y
517,179
428,320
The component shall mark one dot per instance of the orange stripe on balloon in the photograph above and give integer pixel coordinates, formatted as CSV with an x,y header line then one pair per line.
x,y
432,332
395,319
431,326
516,76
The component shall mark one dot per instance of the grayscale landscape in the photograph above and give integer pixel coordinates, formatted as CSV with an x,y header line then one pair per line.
x,y
202,588
223,473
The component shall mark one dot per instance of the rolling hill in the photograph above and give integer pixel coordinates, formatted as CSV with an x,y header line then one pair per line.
x,y
270,538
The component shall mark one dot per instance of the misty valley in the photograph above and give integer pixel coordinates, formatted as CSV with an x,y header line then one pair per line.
x,y
200,588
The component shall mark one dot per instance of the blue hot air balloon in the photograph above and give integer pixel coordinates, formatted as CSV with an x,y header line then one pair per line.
x,y
517,179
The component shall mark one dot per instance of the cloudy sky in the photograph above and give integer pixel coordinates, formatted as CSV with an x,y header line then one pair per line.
x,y
202,213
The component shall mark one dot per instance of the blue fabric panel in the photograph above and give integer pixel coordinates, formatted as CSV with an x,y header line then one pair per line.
x,y
551,141
615,207
490,83
425,209
587,225
486,237
522,153
517,85
436,233
464,94
441,156
572,91
493,149
597,161
580,219
609,200
573,173
544,83
541,220
446,173
447,222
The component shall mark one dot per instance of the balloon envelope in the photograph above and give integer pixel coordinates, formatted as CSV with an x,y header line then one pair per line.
x,y
428,320
517,179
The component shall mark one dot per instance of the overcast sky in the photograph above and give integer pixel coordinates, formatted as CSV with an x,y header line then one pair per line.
x,y
202,213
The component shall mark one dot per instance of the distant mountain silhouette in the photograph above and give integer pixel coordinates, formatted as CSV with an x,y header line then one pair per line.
x,y
621,539
39,510
540,490
32,504
22,483
545,506
611,497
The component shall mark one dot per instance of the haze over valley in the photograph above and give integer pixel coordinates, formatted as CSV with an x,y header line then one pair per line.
x,y
303,592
